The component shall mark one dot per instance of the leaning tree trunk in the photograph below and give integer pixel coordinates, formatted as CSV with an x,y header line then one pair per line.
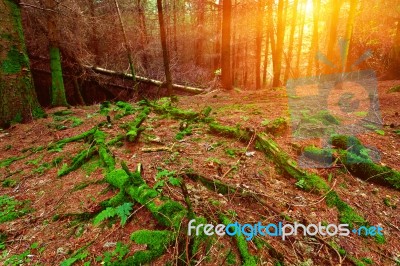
x,y
18,101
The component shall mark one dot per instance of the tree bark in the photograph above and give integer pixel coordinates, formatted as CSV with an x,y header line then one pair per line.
x,y
291,41
280,36
315,39
163,37
18,100
58,97
349,34
226,78
335,5
259,35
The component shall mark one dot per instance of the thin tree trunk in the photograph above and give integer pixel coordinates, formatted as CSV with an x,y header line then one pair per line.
x,y
315,39
226,78
200,33
335,5
175,22
127,46
291,41
349,34
143,35
300,45
163,37
58,97
280,36
259,35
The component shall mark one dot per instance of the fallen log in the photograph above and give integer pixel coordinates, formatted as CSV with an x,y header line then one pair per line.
x,y
144,80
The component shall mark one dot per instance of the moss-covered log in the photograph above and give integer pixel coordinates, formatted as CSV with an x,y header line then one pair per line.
x,y
356,158
247,258
18,100
134,128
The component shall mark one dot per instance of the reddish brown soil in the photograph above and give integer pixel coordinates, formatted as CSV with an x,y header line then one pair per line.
x,y
50,195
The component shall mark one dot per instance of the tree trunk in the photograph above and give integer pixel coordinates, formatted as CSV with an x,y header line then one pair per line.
x,y
163,37
300,45
18,101
335,5
349,34
226,78
291,40
200,33
58,97
259,35
315,39
143,34
280,36
127,46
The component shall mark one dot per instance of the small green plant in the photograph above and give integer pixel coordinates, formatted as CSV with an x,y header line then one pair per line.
x,y
122,211
164,175
380,132
76,121
301,183
76,257
11,209
9,182
185,132
367,261
18,259
115,256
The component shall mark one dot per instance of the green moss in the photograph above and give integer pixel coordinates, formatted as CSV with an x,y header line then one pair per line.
x,y
355,157
185,132
118,178
7,162
57,83
134,128
63,113
77,161
277,126
394,89
156,242
14,62
60,144
247,258
11,209
320,155
346,214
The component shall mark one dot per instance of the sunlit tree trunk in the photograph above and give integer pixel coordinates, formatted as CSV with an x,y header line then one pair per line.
x,y
395,53
18,101
199,51
217,51
226,78
291,40
315,39
300,44
349,34
332,38
280,36
163,37
259,35
271,38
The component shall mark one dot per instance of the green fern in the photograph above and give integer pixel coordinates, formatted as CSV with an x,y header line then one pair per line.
x,y
122,211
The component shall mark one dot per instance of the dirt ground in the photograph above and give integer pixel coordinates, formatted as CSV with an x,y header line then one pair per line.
x,y
57,204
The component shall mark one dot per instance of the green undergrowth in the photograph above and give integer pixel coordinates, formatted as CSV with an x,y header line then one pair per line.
x,y
11,209
394,89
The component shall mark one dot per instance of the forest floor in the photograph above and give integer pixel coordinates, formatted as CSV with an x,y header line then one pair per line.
x,y
48,219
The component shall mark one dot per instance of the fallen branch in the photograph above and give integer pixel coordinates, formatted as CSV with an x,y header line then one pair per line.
x,y
144,80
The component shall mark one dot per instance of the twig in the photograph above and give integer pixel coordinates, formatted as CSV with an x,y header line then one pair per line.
x,y
241,157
